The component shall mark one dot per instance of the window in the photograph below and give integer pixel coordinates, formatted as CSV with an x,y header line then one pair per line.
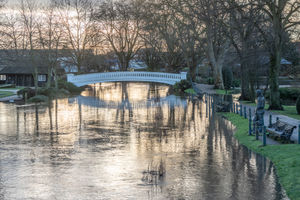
x,y
42,78
2,77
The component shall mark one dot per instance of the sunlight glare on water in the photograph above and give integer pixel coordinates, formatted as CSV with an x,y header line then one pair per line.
x,y
127,141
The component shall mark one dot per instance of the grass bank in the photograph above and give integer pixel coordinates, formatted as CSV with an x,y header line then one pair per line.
x,y
6,94
289,111
234,91
286,157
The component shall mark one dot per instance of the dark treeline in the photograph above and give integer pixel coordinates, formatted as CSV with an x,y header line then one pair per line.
x,y
168,34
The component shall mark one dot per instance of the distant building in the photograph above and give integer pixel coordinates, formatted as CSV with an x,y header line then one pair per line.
x,y
23,76
134,65
66,63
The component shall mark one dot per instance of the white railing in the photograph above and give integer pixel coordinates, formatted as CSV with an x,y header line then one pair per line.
x,y
86,79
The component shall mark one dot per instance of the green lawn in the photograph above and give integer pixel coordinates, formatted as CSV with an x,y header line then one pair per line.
x,y
289,111
286,157
13,88
6,94
234,91
223,91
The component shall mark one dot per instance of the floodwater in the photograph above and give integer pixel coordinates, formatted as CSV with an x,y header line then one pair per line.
x,y
127,141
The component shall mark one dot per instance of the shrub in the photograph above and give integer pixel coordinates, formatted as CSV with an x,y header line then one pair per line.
x,y
298,105
53,92
236,82
50,92
289,93
227,78
210,81
30,92
73,89
190,91
38,99
286,94
182,86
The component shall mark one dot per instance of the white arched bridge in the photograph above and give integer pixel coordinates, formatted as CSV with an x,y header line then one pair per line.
x,y
157,77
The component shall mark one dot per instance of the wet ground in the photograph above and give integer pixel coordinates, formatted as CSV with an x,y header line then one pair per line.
x,y
127,141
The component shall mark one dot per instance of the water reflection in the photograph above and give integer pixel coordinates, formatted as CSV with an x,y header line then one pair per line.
x,y
110,144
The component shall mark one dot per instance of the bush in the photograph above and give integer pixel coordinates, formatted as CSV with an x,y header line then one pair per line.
x,y
289,93
38,99
73,89
53,92
30,92
182,86
298,105
190,91
286,94
227,78
210,81
49,92
236,82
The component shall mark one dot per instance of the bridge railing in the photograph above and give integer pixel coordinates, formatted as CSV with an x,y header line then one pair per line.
x,y
84,79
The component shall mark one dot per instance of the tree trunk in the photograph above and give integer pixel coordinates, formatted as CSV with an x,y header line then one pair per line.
x,y
218,78
49,77
245,92
35,77
275,62
193,72
275,103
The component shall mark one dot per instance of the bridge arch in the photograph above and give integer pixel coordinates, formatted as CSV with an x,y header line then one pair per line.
x,y
156,77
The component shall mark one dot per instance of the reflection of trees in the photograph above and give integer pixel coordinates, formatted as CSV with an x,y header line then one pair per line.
x,y
193,148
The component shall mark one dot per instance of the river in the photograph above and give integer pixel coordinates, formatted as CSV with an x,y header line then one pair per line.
x,y
127,141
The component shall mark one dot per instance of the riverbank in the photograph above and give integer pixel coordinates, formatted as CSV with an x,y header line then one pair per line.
x,y
286,157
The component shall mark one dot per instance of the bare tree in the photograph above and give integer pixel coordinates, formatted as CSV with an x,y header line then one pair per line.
x,y
214,19
244,16
120,23
79,28
161,33
283,16
28,16
50,36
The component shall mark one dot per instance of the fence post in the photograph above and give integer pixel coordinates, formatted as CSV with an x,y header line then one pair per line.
x,y
270,121
256,131
241,110
299,134
250,128
245,112
264,137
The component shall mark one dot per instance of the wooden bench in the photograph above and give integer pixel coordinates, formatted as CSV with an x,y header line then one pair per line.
x,y
282,130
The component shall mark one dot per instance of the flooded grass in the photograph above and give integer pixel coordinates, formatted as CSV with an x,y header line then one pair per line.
x,y
6,94
286,157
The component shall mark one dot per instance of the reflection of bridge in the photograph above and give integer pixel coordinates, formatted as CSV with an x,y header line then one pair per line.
x,y
171,101
157,77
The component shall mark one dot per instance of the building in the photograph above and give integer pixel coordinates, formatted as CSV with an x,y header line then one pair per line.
x,y
23,76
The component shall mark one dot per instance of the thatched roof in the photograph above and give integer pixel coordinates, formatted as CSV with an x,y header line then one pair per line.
x,y
22,70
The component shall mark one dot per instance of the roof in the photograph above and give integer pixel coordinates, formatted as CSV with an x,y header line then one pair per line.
x,y
23,70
